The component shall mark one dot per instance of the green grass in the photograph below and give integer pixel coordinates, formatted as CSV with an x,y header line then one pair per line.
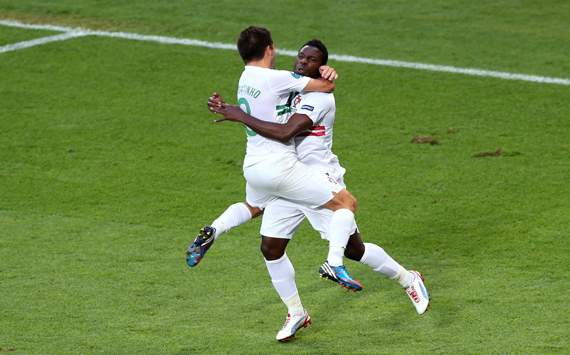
x,y
513,35
109,165
15,35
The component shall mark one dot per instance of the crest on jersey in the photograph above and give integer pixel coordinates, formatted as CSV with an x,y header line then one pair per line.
x,y
297,100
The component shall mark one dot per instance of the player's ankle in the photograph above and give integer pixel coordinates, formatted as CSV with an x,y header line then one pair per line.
x,y
335,256
404,278
294,305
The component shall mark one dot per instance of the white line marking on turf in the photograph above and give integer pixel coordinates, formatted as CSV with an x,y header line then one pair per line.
x,y
31,26
39,41
337,57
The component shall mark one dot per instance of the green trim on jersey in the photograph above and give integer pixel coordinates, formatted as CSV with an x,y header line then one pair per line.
x,y
282,109
242,101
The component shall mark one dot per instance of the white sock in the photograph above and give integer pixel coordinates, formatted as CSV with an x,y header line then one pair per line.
x,y
235,215
342,225
282,276
294,306
375,257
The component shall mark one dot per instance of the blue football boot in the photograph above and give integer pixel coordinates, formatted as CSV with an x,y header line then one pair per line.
x,y
200,246
340,275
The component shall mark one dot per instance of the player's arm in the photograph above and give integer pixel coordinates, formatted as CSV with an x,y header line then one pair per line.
x,y
325,83
284,82
282,132
319,85
296,124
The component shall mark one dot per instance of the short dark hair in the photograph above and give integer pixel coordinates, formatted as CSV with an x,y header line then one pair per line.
x,y
318,44
252,43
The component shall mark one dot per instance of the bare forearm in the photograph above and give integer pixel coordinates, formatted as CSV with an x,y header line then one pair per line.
x,y
271,130
320,85
281,132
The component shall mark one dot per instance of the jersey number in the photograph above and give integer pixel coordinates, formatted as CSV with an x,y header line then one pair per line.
x,y
242,102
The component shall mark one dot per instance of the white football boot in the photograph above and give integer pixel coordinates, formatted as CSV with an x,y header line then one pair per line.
x,y
292,325
418,294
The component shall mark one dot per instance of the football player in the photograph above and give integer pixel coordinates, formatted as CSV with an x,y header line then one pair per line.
x,y
311,124
271,167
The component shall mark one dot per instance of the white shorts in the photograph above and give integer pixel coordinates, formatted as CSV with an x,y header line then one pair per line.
x,y
288,179
282,218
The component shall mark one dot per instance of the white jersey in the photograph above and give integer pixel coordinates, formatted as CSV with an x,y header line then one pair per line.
x,y
314,146
271,168
282,217
264,93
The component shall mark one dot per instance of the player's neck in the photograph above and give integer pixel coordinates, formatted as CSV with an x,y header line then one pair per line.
x,y
262,63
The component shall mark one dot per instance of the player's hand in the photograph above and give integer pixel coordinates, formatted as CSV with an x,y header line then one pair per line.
x,y
215,101
229,112
328,73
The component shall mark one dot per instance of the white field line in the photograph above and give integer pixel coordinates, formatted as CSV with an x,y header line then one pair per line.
x,y
39,41
337,57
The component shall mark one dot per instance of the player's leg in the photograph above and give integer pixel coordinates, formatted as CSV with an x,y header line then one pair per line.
x,y
376,258
314,189
299,183
235,215
320,219
342,224
241,212
282,222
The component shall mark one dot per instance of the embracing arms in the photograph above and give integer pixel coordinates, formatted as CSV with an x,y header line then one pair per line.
x,y
296,124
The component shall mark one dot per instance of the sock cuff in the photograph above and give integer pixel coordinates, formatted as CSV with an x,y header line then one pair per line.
x,y
246,213
281,259
366,253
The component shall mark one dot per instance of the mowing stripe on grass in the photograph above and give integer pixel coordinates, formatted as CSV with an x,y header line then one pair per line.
x,y
40,41
337,57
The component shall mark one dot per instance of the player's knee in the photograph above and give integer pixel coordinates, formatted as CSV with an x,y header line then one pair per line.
x,y
265,250
343,199
255,211
353,254
354,248
270,252
354,204
349,201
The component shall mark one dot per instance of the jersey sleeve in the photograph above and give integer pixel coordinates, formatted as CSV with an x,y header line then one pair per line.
x,y
314,105
283,82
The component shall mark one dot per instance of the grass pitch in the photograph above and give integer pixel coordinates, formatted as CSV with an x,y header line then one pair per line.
x,y
109,165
